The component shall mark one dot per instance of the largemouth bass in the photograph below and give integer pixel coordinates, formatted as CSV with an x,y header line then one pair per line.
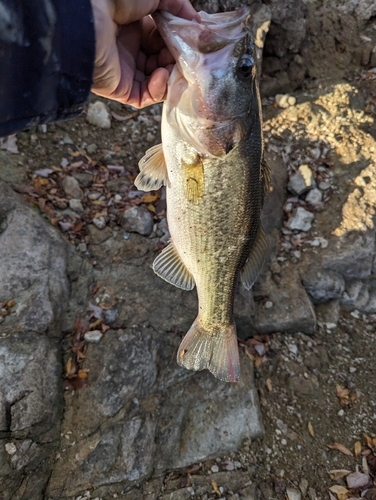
x,y
211,162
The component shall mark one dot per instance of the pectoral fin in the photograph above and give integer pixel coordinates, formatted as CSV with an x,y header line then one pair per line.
x,y
153,170
255,261
169,266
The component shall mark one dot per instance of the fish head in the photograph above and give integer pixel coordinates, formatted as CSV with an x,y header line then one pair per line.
x,y
212,93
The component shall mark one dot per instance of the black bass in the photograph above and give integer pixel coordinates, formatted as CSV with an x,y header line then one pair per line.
x,y
211,162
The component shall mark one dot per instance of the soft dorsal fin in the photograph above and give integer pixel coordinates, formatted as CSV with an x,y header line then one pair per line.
x,y
256,259
153,170
169,266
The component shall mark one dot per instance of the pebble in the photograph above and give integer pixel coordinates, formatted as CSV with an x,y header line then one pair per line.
x,y
76,205
303,486
137,220
98,114
314,197
72,188
94,195
324,186
284,100
91,148
118,197
64,163
268,304
215,468
84,179
110,316
82,247
67,140
312,494
293,494
100,222
10,448
301,181
300,220
341,413
94,336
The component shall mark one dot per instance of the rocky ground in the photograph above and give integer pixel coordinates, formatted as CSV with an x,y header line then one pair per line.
x,y
107,413
92,403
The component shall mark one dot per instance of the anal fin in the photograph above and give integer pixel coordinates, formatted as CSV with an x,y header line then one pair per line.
x,y
256,259
153,170
169,266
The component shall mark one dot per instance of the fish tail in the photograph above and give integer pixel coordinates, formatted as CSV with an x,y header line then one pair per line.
x,y
213,348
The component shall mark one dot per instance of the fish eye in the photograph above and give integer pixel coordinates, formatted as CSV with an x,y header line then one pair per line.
x,y
245,66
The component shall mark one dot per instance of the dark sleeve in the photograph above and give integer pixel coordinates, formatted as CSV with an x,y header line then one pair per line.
x,y
47,50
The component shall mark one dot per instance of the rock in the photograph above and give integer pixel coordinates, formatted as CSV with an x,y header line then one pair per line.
x,y
314,197
291,309
137,220
84,179
355,296
125,433
76,206
293,494
34,401
98,114
284,100
72,188
328,314
322,285
324,186
32,252
93,337
312,495
300,220
301,181
99,222
92,148
110,316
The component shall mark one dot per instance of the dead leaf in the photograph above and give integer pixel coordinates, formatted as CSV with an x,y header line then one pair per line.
x,y
151,208
70,368
268,383
339,473
149,198
357,448
215,487
338,489
357,480
340,447
368,440
310,429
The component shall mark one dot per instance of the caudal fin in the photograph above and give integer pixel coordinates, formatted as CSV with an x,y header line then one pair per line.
x,y
217,351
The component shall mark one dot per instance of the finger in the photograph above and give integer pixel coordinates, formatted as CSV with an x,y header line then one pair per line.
x,y
151,40
180,8
150,91
163,59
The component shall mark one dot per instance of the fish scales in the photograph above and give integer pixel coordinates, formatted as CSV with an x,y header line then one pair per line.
x,y
211,164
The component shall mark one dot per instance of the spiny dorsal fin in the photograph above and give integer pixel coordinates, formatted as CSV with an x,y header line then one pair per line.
x,y
266,177
255,261
153,170
169,266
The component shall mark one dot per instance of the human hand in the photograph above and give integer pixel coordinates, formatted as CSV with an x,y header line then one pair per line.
x,y
132,63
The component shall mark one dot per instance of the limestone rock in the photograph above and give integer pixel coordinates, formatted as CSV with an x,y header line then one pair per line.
x,y
33,266
72,188
291,310
137,220
322,285
300,219
314,197
98,114
301,181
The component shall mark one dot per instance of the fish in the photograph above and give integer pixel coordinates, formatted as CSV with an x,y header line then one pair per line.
x,y
211,161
